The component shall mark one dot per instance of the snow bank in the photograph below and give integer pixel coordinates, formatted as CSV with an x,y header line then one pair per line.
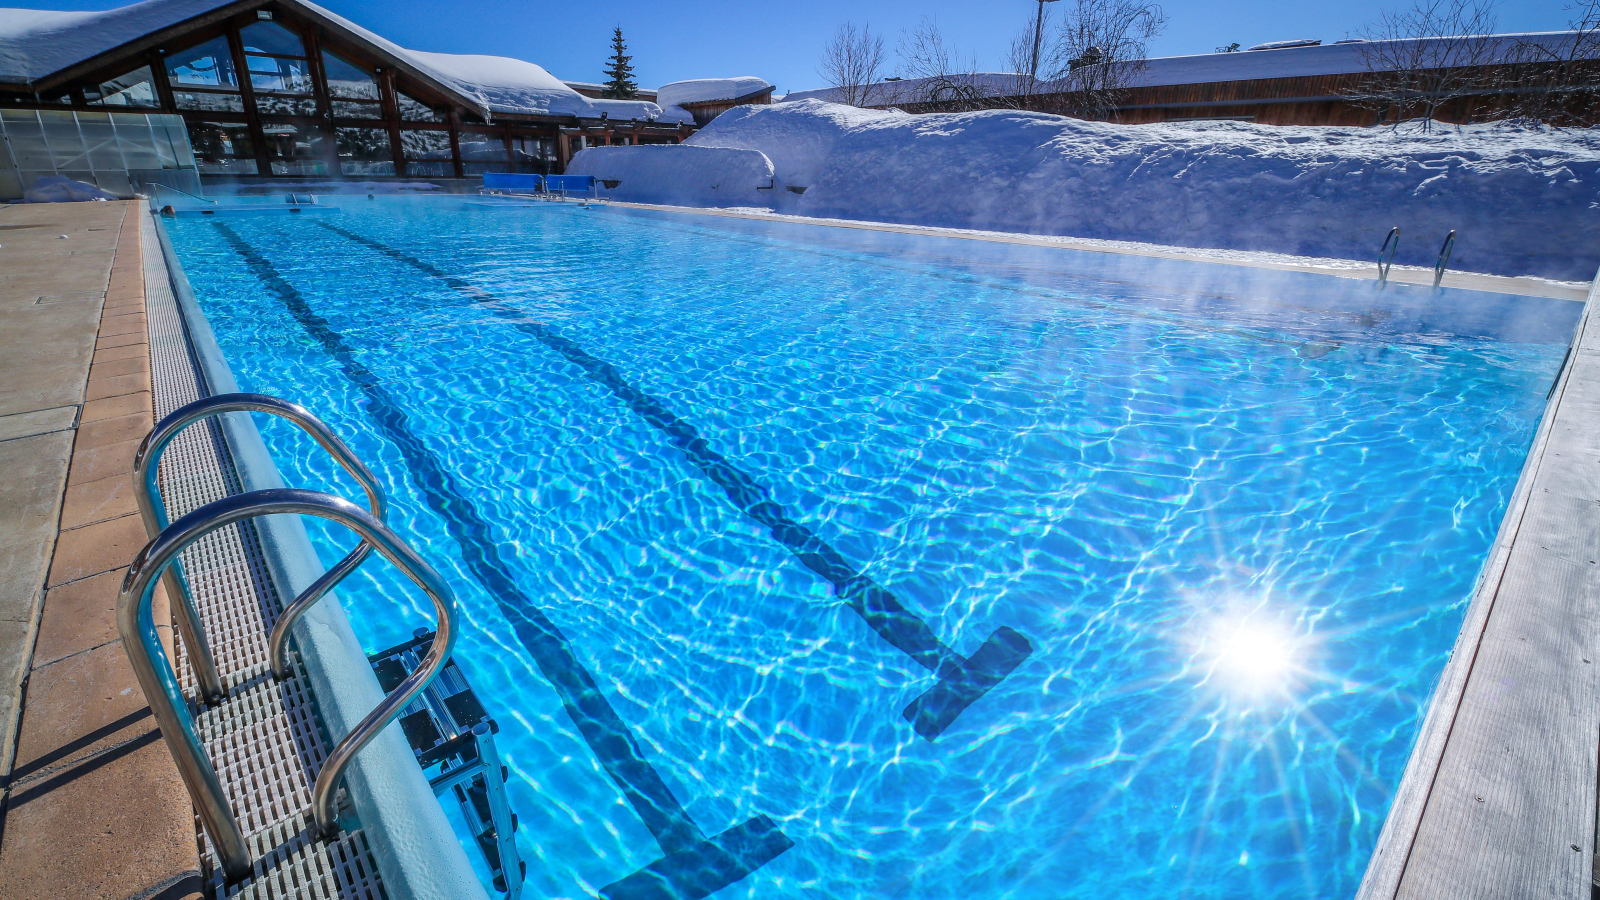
x,y
678,174
1523,202
709,90
61,189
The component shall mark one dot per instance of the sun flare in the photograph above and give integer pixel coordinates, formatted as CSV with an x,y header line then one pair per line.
x,y
1254,658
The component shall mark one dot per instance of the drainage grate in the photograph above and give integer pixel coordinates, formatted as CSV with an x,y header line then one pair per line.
x,y
265,741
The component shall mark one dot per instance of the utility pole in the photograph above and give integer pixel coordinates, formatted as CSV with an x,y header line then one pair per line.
x,y
1038,29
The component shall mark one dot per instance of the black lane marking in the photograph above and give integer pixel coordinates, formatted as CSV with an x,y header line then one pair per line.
x,y
600,725
961,681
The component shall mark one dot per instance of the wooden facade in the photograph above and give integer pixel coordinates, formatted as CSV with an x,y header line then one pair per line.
x,y
1344,99
274,89
704,112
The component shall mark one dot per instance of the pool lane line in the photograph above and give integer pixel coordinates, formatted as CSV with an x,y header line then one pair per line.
x,y
962,681
736,852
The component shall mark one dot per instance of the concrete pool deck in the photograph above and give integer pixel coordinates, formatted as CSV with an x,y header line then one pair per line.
x,y
93,805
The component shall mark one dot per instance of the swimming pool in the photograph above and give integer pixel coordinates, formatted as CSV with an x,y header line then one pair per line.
x,y
1222,522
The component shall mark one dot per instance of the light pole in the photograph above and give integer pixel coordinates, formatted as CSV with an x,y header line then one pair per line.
x,y
1038,28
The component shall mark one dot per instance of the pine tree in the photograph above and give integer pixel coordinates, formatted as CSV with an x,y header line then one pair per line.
x,y
620,85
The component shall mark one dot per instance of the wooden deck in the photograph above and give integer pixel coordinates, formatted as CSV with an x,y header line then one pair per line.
x,y
1498,800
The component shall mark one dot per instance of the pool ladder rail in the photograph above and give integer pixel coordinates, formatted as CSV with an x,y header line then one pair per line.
x,y
452,737
159,560
1391,244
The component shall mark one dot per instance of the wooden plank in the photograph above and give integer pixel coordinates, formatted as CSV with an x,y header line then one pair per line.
x,y
1499,797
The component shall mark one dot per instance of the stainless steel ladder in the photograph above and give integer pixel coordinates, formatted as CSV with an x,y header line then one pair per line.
x,y
155,671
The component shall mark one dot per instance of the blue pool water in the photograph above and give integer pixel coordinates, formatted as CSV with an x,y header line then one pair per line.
x,y
1233,517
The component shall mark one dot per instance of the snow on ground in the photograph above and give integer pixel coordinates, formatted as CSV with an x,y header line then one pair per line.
x,y
1523,201
680,174
709,90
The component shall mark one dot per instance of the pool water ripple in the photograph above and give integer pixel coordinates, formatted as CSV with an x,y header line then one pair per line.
x,y
1120,467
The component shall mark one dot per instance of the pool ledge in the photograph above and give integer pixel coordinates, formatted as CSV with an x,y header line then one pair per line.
x,y
1361,271
1498,799
416,850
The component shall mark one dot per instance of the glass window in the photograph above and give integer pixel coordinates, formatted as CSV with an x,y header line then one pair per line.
x,y
349,109
208,102
274,73
297,149
209,65
364,151
416,111
271,39
483,148
274,105
215,140
137,88
347,80
425,144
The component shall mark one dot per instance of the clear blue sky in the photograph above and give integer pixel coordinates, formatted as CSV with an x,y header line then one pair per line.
x,y
717,38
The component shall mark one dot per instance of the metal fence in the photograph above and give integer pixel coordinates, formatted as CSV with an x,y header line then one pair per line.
x,y
117,152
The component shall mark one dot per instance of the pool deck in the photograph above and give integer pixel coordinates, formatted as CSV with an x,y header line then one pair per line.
x,y
1499,797
1500,284
92,803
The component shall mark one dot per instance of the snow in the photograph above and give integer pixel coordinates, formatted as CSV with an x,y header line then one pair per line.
x,y
678,174
643,110
709,90
1522,201
501,84
61,189
35,43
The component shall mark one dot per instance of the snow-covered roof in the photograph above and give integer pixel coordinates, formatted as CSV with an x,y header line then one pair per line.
x,y
644,110
710,90
501,84
35,43
1293,61
909,90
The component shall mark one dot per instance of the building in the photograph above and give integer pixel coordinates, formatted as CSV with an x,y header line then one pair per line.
x,y
286,89
707,98
1282,83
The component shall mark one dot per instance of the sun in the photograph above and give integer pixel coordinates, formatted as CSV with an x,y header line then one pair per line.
x,y
1253,657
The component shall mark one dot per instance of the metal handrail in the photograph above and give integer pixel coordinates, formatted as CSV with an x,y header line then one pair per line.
x,y
1391,244
167,187
159,682
154,513
1445,250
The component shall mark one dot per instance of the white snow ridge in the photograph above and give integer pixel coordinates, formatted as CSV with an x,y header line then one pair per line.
x,y
1523,201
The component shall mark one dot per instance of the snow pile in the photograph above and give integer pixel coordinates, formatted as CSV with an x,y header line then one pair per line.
x,y
61,189
709,90
678,174
1522,201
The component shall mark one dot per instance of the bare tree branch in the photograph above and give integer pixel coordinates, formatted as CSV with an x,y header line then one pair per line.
x,y
939,75
1099,51
851,63
1426,56
1558,81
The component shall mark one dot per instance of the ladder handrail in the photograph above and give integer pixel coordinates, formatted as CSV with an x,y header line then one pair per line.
x,y
154,512
153,668
1445,250
167,187
1391,244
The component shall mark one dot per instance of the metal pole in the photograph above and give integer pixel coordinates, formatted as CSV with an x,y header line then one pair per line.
x,y
1038,27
